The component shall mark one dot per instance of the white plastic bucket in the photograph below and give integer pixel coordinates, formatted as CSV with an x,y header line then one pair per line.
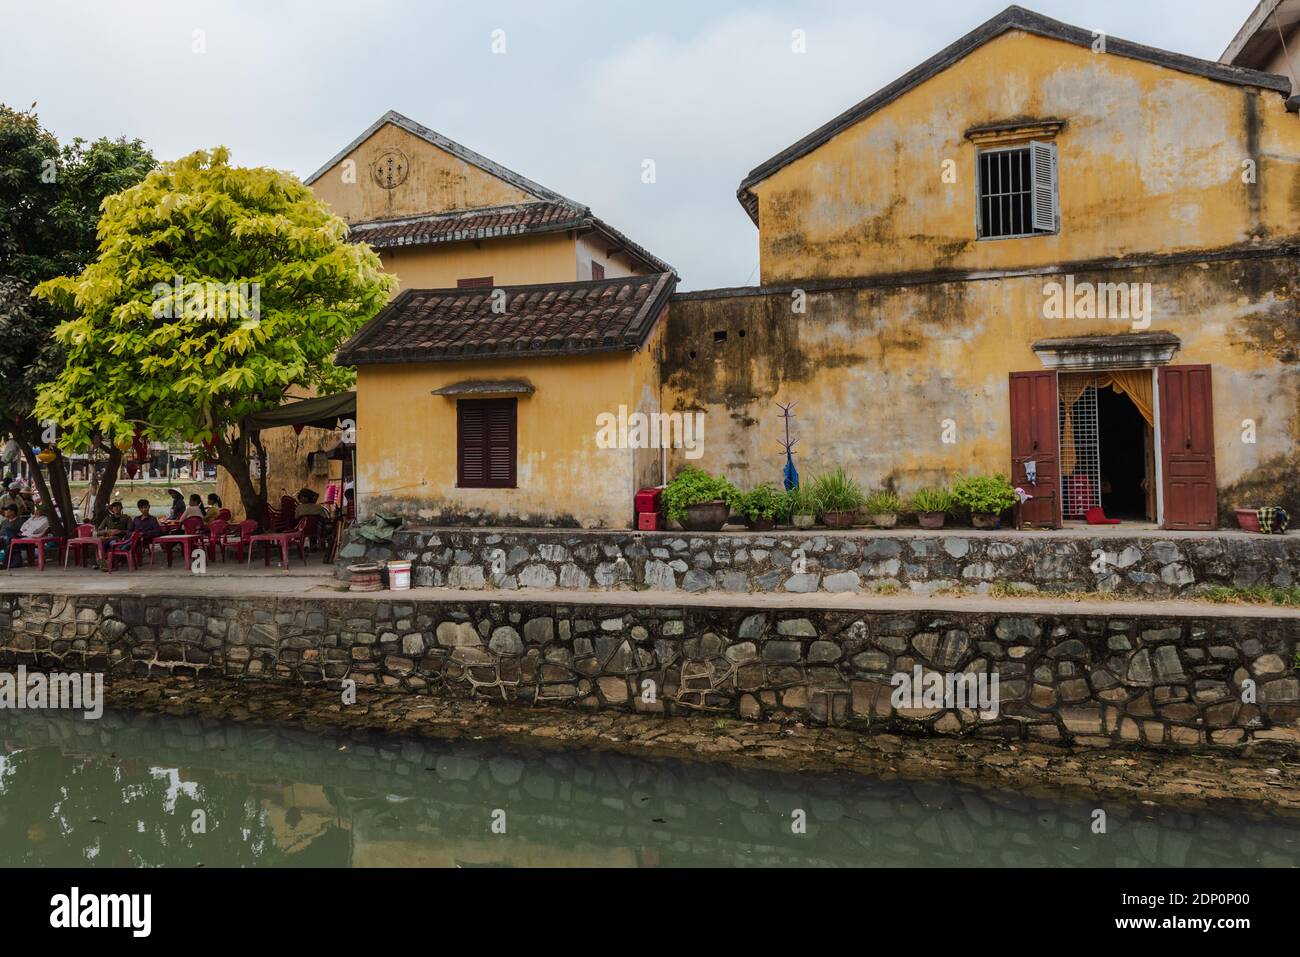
x,y
399,575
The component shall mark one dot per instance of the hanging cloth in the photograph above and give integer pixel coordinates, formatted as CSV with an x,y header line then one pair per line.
x,y
1136,384
1071,388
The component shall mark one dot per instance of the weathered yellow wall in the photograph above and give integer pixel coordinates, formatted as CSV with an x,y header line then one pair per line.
x,y
514,261
1150,161
876,372
406,443
437,182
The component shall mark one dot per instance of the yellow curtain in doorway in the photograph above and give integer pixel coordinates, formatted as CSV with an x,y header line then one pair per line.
x,y
1070,388
1136,384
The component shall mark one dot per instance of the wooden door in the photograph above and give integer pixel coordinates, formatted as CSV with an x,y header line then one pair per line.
x,y
1187,448
1036,437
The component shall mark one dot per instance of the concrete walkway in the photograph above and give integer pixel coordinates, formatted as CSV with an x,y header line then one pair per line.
x,y
315,581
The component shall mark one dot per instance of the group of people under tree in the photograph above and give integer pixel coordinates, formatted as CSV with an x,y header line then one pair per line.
x,y
21,518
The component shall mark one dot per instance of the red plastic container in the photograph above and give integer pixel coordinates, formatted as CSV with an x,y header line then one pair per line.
x,y
649,521
647,500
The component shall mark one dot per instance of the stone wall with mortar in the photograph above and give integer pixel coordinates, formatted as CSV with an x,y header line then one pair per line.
x,y
1076,678
802,562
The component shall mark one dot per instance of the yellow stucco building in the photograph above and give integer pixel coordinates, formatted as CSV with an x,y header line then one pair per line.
x,y
1044,252
520,318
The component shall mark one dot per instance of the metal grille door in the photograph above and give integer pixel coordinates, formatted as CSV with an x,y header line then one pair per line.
x,y
1080,446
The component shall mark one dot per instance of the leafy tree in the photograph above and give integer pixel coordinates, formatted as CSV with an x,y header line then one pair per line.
x,y
218,289
50,197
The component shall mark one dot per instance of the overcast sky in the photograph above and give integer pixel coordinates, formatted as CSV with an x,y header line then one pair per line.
x,y
582,95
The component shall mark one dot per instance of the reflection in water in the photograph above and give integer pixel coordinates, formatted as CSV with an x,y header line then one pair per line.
x,y
132,790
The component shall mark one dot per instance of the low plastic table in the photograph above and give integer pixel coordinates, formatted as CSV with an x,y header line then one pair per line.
x,y
283,539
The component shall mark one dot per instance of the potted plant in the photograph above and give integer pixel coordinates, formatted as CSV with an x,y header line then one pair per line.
x,y
700,501
839,498
882,508
761,506
986,497
932,506
801,506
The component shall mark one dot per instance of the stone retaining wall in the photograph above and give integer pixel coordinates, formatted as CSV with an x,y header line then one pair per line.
x,y
1094,680
848,562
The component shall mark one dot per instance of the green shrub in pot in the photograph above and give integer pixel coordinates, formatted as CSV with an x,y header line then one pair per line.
x,y
801,506
694,486
839,497
762,505
985,497
883,508
931,506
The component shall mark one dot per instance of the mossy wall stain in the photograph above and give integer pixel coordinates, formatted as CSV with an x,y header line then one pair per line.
x,y
879,373
1151,160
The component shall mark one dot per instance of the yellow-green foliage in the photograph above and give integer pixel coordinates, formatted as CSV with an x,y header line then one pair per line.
x,y
196,371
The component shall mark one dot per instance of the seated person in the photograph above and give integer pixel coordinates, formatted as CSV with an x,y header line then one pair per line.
x,y
177,506
214,508
35,526
10,528
115,524
194,509
14,496
308,508
144,523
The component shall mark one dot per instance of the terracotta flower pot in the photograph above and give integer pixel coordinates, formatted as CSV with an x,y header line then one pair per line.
x,y
706,517
931,519
985,520
1247,519
839,519
760,524
884,521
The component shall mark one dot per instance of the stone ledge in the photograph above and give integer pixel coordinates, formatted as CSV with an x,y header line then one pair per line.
x,y
1153,565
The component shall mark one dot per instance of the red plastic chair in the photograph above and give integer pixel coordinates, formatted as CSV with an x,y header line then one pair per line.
x,y
308,531
131,554
283,541
216,535
86,538
288,510
224,515
239,538
37,546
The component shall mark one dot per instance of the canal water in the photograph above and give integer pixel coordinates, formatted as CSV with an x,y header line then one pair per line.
x,y
146,790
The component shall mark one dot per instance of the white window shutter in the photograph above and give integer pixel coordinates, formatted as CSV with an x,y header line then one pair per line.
x,y
1042,157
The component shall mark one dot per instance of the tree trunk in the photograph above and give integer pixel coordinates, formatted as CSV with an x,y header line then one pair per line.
x,y
55,492
104,494
232,455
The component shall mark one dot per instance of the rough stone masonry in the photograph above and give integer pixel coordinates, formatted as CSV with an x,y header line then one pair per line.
x,y
806,562
1081,678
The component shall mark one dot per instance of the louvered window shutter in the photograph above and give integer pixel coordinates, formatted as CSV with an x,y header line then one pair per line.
x,y
1045,199
485,443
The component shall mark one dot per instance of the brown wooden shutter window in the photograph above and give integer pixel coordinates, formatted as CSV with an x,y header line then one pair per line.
x,y
479,282
486,443
597,271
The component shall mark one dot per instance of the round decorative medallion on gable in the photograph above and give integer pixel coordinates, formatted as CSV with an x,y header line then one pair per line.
x,y
390,168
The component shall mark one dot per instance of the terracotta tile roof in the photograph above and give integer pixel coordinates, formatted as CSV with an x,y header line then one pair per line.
x,y
572,318
463,225
522,219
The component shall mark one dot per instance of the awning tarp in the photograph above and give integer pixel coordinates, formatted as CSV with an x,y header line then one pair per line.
x,y
323,412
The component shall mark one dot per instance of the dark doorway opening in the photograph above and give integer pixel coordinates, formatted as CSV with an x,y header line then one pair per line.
x,y
1125,451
